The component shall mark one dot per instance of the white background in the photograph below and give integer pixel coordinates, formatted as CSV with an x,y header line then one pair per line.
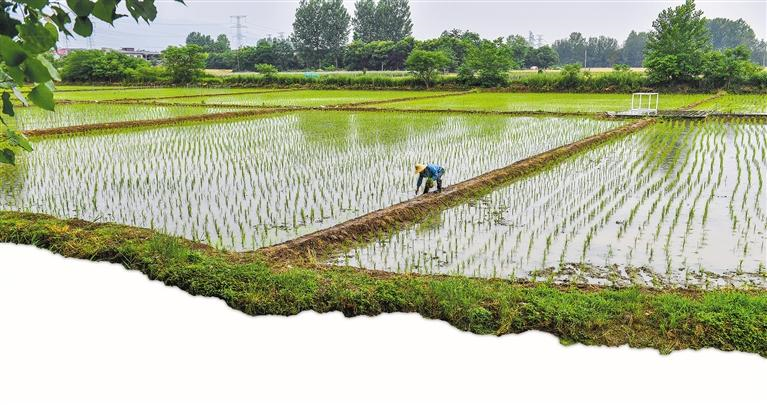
x,y
83,332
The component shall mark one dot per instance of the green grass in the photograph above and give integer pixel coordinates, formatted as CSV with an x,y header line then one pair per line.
x,y
667,321
113,94
308,98
737,103
552,102
83,114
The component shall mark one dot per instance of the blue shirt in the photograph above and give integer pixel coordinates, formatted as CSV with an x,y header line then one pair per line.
x,y
431,171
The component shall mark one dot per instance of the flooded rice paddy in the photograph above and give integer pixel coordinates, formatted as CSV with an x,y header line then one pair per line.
x,y
243,184
680,203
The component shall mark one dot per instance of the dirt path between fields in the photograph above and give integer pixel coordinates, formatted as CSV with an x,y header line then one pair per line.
x,y
365,228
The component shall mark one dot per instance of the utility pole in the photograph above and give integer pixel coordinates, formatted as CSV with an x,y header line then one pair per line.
x,y
238,26
539,40
586,58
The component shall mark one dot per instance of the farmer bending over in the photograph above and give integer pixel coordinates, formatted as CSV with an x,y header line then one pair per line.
x,y
432,173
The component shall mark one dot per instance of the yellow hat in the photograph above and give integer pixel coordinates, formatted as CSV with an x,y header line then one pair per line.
x,y
419,168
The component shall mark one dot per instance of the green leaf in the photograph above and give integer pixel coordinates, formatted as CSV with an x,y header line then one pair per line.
x,y
61,19
20,96
38,4
17,139
15,73
104,10
7,156
7,105
42,96
83,26
11,52
36,71
37,38
81,8
48,65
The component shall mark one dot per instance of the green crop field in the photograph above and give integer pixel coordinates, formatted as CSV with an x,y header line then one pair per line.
x,y
570,223
98,94
308,98
82,114
551,102
737,103
682,205
244,184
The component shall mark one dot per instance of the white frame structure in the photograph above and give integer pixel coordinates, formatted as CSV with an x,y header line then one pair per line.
x,y
640,108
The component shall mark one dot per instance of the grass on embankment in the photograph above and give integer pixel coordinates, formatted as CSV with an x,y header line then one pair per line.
x,y
671,320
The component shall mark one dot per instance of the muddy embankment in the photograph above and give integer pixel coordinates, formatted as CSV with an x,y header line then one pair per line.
x,y
367,227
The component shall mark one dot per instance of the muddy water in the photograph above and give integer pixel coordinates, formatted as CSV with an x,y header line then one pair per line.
x,y
245,184
681,203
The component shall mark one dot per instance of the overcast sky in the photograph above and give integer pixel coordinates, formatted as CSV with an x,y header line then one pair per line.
x,y
553,19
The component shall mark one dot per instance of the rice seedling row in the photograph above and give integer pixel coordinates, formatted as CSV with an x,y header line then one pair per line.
x,y
244,184
310,98
550,102
83,114
737,103
681,203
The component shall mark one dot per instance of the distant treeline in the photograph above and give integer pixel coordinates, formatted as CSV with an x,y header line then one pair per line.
x,y
683,50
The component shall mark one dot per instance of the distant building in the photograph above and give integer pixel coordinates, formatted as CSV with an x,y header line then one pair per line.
x,y
151,56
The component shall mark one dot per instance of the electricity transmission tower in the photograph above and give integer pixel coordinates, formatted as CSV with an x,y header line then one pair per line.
x,y
238,20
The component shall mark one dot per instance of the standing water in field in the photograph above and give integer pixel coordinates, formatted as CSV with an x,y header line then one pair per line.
x,y
248,183
680,203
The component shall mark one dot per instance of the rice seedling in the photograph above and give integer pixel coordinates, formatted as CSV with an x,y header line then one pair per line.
x,y
82,114
634,201
307,98
243,184
552,102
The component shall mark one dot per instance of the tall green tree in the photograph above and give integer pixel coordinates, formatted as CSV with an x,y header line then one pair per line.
x,y
677,44
320,30
519,49
387,20
633,49
29,29
726,33
602,51
571,49
393,20
487,65
203,41
364,21
184,63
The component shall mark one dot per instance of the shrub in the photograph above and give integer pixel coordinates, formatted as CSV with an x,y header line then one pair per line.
x,y
266,69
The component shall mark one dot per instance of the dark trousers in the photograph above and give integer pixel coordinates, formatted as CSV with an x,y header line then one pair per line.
x,y
437,178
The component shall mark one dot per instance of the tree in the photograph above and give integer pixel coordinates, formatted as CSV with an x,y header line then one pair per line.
x,y
726,33
571,49
99,66
266,69
24,44
487,65
320,30
632,52
729,67
602,51
543,57
364,21
393,20
184,63
425,65
519,49
388,20
203,41
222,44
676,45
